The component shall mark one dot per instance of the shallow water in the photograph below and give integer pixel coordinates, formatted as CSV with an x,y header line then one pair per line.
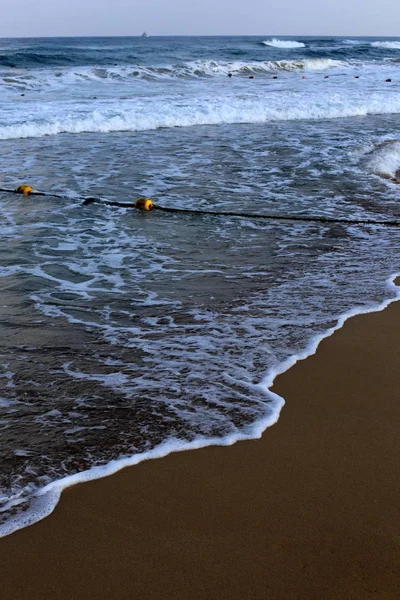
x,y
121,330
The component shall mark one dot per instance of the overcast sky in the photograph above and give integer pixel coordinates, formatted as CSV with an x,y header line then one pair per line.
x,y
199,17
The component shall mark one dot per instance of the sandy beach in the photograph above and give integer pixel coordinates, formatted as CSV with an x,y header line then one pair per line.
x,y
310,511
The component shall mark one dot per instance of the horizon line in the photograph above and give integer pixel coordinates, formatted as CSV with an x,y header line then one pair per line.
x,y
194,35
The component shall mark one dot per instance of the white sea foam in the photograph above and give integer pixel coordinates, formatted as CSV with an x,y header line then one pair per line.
x,y
385,158
47,498
167,112
387,45
276,43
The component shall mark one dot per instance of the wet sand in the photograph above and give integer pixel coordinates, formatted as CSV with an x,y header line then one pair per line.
x,y
310,511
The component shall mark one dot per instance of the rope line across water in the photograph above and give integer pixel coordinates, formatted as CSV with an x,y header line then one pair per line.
x,y
298,218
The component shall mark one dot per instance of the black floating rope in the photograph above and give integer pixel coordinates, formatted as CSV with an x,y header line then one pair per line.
x,y
298,218
305,218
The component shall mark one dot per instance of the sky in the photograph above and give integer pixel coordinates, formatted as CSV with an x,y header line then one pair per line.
x,y
35,18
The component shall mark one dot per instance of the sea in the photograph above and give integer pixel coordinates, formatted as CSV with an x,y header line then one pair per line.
x,y
126,335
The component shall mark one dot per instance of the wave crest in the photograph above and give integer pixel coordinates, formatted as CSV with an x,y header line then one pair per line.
x,y
276,43
171,112
351,42
386,45
42,78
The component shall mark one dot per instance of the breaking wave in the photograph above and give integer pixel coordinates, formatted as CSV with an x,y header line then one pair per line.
x,y
172,112
276,43
387,45
269,66
45,78
351,42
307,64
384,159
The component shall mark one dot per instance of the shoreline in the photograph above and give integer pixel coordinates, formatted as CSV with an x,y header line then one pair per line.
x,y
58,487
307,511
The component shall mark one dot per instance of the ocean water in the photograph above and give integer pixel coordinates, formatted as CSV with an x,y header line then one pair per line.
x,y
127,335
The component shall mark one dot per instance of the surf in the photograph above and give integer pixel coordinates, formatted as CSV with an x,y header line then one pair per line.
x,y
286,44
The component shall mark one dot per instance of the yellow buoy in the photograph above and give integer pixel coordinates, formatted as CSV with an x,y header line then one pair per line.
x,y
144,204
24,189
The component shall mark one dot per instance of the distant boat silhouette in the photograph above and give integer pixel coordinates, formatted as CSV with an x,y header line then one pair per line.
x,y
144,34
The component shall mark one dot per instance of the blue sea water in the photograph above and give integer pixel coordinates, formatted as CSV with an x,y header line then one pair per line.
x,y
127,335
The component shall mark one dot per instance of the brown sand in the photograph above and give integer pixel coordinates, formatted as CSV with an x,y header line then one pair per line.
x,y
311,511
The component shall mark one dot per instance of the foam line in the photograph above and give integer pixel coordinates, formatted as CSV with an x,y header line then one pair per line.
x,y
225,106
49,496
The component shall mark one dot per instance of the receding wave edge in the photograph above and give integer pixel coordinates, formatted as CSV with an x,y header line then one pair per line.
x,y
48,497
